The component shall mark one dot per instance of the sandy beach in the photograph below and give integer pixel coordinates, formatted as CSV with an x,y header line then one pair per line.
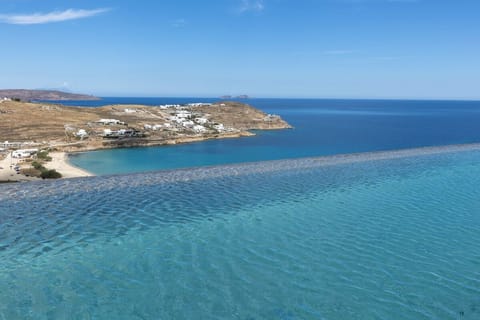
x,y
59,162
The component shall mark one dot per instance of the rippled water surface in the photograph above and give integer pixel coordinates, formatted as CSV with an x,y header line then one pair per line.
x,y
302,239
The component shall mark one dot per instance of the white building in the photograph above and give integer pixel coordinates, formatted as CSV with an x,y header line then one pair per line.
x,y
188,123
271,117
8,144
110,121
183,114
199,129
25,153
81,133
199,104
219,127
156,127
166,106
201,120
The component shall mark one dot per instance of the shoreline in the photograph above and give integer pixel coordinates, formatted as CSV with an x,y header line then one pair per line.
x,y
81,147
61,164
239,169
341,158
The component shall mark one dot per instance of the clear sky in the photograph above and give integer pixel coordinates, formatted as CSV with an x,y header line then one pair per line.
x,y
263,48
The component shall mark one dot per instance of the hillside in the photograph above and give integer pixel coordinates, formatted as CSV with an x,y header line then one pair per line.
x,y
135,125
29,95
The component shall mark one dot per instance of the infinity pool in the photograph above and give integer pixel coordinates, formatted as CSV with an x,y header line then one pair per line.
x,y
369,236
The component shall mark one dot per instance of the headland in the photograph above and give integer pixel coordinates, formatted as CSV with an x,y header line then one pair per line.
x,y
27,128
35,95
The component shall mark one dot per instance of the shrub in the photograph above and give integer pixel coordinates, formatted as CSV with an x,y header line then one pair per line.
x,y
50,174
43,155
43,172
38,165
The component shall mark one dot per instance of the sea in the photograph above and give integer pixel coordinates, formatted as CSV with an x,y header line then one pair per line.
x,y
321,127
264,234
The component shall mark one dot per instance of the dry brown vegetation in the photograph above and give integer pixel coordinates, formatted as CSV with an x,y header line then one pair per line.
x,y
40,122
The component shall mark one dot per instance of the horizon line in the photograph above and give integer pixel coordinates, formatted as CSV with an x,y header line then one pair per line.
x,y
235,96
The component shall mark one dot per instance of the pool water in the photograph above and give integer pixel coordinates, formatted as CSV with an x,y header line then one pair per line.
x,y
353,237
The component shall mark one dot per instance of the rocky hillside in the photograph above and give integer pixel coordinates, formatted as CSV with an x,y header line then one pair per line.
x,y
129,125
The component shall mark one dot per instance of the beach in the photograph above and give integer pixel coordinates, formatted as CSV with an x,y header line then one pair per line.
x,y
59,162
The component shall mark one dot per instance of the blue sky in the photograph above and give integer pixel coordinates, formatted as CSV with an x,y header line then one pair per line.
x,y
264,48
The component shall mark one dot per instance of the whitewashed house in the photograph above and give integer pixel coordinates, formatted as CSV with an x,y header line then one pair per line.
x,y
182,114
25,153
166,106
7,144
199,104
219,127
188,123
110,122
201,120
199,129
81,133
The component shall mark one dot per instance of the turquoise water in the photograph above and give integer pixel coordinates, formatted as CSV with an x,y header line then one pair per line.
x,y
322,127
374,236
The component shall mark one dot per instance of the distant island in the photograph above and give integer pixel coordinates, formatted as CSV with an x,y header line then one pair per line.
x,y
32,95
243,96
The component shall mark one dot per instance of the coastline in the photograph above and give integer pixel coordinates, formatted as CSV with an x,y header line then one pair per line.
x,y
70,129
239,169
88,146
330,160
66,130
61,164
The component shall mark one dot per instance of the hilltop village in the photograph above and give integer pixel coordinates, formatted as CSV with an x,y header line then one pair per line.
x,y
28,128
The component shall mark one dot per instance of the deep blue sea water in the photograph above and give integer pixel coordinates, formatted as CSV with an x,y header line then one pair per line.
x,y
322,127
355,237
